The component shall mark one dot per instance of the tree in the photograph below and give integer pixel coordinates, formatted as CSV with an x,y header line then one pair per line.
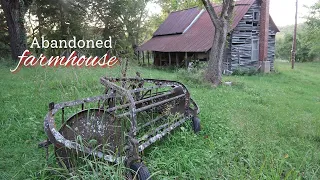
x,y
122,19
313,28
308,38
4,36
221,23
175,5
14,11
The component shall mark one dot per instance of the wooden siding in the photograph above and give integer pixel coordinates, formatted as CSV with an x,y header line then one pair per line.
x,y
239,51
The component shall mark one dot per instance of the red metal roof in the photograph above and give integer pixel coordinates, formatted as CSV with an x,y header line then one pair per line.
x,y
177,22
199,37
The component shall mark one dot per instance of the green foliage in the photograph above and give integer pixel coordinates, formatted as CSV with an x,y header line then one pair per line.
x,y
284,46
4,35
245,72
313,29
125,21
308,38
169,6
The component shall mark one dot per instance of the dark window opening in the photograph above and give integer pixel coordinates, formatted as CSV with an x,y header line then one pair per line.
x,y
246,31
255,24
256,16
248,22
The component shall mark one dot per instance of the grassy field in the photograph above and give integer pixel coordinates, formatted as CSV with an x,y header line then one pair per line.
x,y
262,127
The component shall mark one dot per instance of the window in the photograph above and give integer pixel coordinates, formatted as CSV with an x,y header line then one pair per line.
x,y
256,16
255,49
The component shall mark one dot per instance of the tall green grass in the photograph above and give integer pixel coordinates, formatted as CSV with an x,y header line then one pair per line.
x,y
262,127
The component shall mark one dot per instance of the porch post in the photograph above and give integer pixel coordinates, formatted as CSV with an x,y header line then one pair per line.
x,y
143,57
186,59
177,59
148,58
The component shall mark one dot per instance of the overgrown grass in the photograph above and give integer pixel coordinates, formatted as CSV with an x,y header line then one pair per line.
x,y
262,127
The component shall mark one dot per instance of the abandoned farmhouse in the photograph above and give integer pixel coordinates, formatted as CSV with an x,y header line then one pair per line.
x,y
188,34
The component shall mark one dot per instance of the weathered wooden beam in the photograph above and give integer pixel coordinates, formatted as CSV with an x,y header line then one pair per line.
x,y
160,58
177,60
169,59
143,57
148,58
186,59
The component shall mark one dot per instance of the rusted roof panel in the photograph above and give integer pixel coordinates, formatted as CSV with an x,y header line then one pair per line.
x,y
199,37
177,22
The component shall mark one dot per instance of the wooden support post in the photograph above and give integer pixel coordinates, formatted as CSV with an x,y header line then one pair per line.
x,y
186,59
160,59
177,60
142,57
294,43
169,59
138,56
148,58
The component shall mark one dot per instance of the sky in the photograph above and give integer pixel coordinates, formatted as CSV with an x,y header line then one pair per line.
x,y
282,11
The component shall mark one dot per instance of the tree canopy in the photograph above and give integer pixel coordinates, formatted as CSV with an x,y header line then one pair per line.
x,y
308,38
128,22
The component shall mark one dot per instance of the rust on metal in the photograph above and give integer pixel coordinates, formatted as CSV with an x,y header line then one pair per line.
x,y
116,126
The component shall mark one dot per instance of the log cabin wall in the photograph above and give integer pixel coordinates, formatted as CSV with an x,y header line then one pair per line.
x,y
243,49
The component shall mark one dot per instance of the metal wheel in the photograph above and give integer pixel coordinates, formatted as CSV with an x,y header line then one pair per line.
x,y
141,171
196,124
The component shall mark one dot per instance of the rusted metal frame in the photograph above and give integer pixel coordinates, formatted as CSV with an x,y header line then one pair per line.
x,y
147,136
151,122
58,140
159,128
123,92
158,93
159,103
132,152
155,81
185,90
148,91
152,105
54,137
147,88
162,134
196,107
138,102
78,102
162,82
